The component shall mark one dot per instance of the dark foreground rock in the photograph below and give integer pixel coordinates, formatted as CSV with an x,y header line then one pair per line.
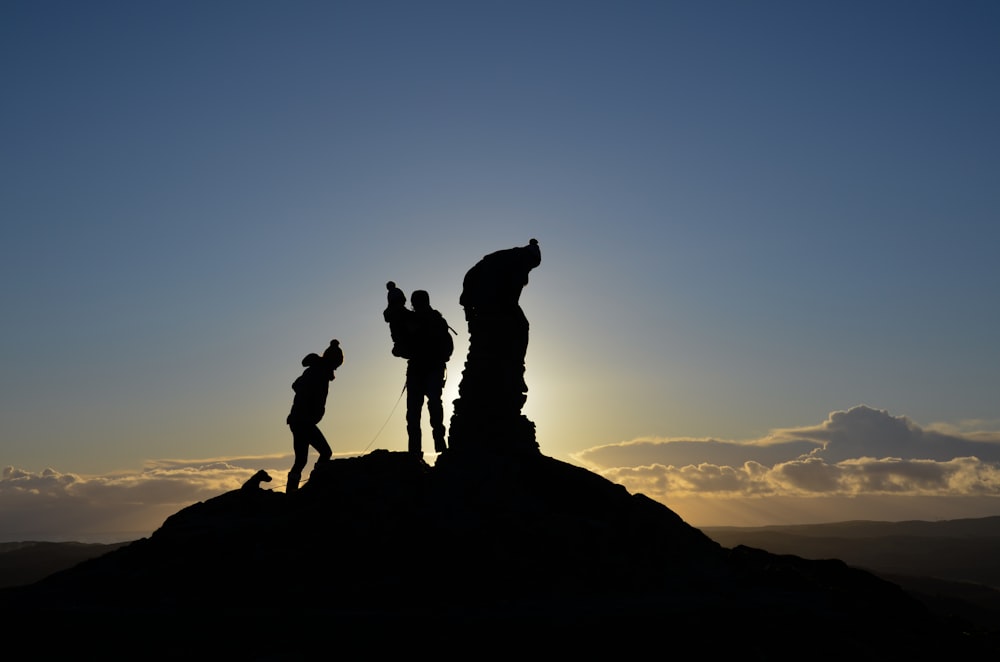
x,y
480,556
29,561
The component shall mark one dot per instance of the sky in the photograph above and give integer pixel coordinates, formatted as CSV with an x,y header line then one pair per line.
x,y
768,287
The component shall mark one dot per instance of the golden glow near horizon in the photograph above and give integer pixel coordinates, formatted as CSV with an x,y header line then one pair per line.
x,y
767,307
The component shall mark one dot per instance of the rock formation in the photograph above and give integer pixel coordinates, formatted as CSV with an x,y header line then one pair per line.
x,y
487,414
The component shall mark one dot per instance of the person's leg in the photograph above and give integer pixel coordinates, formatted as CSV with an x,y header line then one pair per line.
x,y
318,441
435,411
414,403
300,445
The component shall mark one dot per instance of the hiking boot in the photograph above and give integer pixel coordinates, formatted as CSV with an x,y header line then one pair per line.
x,y
292,485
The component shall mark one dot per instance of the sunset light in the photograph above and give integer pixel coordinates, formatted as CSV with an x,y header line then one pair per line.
x,y
768,245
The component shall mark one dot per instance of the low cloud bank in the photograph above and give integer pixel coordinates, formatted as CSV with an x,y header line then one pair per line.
x,y
50,505
854,453
860,463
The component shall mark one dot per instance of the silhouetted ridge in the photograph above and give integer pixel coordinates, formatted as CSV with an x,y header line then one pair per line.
x,y
382,554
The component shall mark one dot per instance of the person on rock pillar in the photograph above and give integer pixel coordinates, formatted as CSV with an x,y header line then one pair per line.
x,y
308,406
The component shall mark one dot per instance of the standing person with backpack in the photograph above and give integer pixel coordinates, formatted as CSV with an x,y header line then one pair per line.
x,y
430,345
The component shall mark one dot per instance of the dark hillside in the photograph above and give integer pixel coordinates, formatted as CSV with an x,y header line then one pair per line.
x,y
29,561
480,555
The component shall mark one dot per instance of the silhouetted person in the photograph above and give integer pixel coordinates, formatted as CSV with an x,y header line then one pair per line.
x,y
311,389
396,314
430,348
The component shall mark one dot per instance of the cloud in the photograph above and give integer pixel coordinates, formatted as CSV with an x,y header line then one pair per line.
x,y
854,453
866,432
51,505
862,461
682,452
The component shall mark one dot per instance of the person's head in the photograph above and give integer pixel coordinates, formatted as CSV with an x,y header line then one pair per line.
x,y
334,355
420,300
311,359
396,296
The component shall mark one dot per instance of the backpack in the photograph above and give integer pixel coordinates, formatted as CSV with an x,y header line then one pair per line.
x,y
430,337
442,336
422,336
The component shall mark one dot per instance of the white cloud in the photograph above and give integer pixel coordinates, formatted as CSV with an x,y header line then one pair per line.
x,y
859,452
51,505
815,477
865,432
680,452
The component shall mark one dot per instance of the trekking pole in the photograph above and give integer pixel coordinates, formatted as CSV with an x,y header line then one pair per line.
x,y
391,412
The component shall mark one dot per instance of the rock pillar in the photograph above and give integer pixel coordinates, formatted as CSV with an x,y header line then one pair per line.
x,y
487,414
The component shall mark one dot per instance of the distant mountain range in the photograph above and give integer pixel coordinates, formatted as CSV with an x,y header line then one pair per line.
x,y
953,566
481,555
964,550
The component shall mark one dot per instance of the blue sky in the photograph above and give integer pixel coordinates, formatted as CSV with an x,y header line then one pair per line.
x,y
754,218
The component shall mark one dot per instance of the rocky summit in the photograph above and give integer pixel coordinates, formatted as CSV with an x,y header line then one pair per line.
x,y
480,556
